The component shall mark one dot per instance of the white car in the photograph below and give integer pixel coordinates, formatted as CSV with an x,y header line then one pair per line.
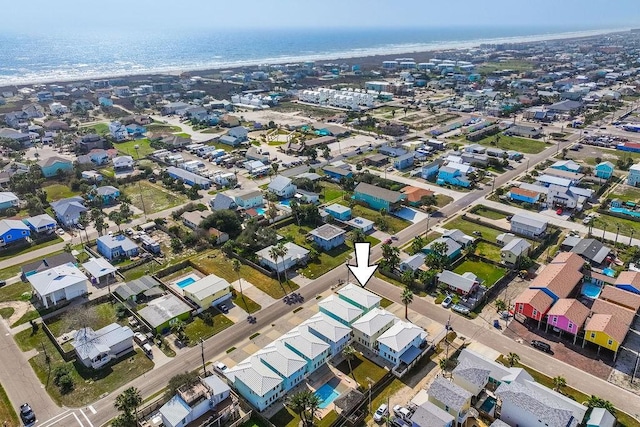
x,y
381,412
60,231
390,169
446,303
220,367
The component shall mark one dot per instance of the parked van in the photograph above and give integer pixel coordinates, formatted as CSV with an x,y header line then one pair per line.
x,y
148,350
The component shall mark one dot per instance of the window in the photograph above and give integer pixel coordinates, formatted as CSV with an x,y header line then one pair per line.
x,y
593,334
570,325
610,342
555,319
534,313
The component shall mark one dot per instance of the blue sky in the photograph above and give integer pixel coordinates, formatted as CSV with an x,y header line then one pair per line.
x,y
212,14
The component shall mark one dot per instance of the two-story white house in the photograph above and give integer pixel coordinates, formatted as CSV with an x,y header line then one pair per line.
x,y
368,328
282,187
329,330
403,337
311,348
193,401
248,199
291,367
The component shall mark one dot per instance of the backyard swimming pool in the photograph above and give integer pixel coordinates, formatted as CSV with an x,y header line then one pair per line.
x,y
186,281
609,272
591,290
625,211
327,393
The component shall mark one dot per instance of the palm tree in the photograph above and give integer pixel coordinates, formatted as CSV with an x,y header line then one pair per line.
x,y
357,235
417,244
559,382
349,353
513,359
305,403
236,267
178,329
407,298
274,253
128,402
407,277
283,250
83,220
443,363
598,402
500,305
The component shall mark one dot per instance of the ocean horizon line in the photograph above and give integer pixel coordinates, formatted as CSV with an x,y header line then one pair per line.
x,y
80,72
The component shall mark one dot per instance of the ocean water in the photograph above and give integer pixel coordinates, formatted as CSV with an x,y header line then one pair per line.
x,y
31,58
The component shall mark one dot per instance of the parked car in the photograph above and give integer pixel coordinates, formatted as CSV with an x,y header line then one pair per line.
x,y
381,412
80,226
446,303
541,345
140,338
220,367
60,231
27,415
559,211
223,308
148,350
460,309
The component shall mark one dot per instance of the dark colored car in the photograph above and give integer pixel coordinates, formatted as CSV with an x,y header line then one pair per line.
x,y
223,308
27,415
543,346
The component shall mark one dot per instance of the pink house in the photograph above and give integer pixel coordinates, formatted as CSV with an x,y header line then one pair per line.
x,y
568,315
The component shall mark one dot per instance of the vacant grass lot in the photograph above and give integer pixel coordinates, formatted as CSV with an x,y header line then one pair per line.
x,y
362,368
626,193
96,317
395,224
488,213
155,197
159,127
611,223
330,191
443,200
197,328
487,272
89,384
7,412
99,128
128,148
214,262
468,228
522,145
15,291
488,251
58,191
246,303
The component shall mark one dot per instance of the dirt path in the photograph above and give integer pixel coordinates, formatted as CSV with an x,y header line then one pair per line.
x,y
20,309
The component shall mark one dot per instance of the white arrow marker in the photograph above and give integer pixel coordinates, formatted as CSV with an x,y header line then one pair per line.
x,y
362,270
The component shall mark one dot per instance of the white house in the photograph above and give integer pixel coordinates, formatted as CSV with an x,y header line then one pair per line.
x,y
282,186
59,283
122,163
527,225
118,131
295,255
529,404
256,382
284,362
329,330
193,401
403,337
340,310
368,328
475,371
58,109
305,344
97,348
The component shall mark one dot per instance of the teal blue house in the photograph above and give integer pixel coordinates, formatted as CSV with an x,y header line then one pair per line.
x,y
50,166
340,212
604,170
109,194
449,175
378,198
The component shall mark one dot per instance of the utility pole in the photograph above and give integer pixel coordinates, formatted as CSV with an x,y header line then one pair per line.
x,y
204,366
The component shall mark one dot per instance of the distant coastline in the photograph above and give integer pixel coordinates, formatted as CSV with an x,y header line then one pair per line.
x,y
364,56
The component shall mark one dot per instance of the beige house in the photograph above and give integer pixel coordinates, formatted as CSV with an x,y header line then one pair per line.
x,y
513,251
208,291
368,328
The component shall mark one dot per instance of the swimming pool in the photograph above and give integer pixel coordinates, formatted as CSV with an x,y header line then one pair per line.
x,y
183,283
261,211
286,203
609,272
625,211
327,394
591,290
488,405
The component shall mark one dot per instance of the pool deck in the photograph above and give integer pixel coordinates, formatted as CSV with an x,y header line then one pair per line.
x,y
174,283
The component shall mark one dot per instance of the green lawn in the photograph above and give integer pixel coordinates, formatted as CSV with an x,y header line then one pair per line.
x,y
197,328
384,303
487,272
386,393
610,223
58,191
330,191
15,291
512,64
468,227
12,252
99,128
522,145
89,384
7,412
155,197
97,316
215,262
254,422
6,312
395,224
628,194
183,135
246,303
287,418
488,251
362,368
128,148
443,200
488,213
158,127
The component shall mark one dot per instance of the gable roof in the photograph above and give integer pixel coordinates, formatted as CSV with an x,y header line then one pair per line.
x,y
54,279
294,252
282,360
279,183
497,371
591,249
341,308
207,286
474,374
326,326
359,295
162,309
428,414
258,377
570,308
516,246
305,343
50,161
48,262
528,220
624,315
464,282
372,322
40,220
99,267
536,299
452,245
620,297
221,201
7,225
117,241
136,287
379,192
561,276
524,192
449,394
7,196
629,278
88,343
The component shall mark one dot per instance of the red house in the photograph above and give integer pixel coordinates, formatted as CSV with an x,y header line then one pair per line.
x,y
533,303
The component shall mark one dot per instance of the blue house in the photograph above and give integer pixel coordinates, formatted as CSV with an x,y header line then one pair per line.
x,y
454,249
604,170
105,102
8,200
12,230
378,198
404,161
567,165
328,236
116,247
41,223
523,195
108,193
188,178
431,169
336,173
135,129
68,210
452,176
340,212
229,140
392,151
51,165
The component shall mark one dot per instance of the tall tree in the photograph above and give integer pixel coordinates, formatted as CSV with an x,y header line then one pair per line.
x,y
358,236
559,382
349,353
417,244
406,298
283,251
128,402
513,359
391,257
274,253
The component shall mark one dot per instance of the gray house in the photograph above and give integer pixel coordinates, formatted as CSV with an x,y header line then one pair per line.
x,y
97,348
